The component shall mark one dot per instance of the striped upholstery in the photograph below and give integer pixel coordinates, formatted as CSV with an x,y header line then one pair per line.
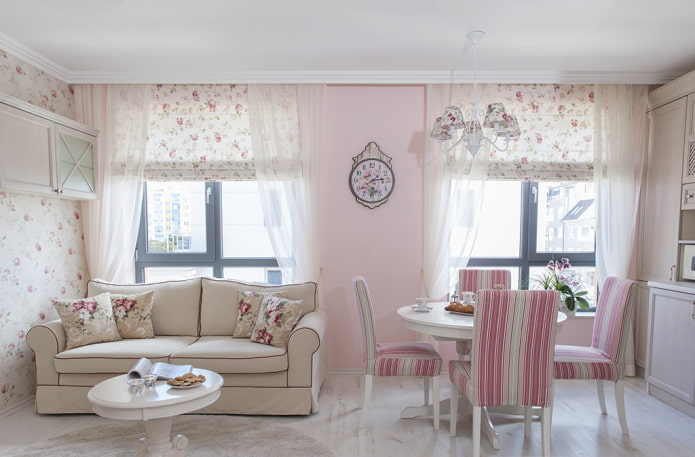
x,y
512,349
405,359
395,359
472,279
605,359
392,359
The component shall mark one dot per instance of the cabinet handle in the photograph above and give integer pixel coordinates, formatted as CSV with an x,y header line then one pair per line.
x,y
692,311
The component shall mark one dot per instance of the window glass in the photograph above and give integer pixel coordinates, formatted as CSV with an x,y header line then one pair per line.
x,y
500,219
158,274
253,274
566,217
176,217
213,229
243,232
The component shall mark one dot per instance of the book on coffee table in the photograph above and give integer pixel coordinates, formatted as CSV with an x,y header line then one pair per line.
x,y
163,370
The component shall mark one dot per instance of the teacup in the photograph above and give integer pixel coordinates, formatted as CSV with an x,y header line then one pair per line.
x,y
422,304
467,298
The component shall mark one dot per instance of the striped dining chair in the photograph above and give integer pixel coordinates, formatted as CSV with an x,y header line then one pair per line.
x,y
511,358
394,359
604,360
474,279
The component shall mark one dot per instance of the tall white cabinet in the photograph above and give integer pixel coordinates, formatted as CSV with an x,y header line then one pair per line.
x,y
42,152
667,296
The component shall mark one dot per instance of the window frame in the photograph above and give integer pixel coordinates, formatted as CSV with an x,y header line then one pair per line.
x,y
212,258
529,255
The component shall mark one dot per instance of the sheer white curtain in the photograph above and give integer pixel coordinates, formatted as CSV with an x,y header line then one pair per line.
x,y
619,160
120,113
453,185
286,123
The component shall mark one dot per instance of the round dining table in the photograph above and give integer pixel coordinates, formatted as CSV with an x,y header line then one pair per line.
x,y
445,325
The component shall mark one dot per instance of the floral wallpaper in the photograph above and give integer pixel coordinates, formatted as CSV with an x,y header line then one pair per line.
x,y
41,244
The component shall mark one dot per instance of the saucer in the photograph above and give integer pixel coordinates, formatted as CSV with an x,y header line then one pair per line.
x,y
415,308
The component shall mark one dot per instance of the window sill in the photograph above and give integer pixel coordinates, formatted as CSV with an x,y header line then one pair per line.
x,y
583,315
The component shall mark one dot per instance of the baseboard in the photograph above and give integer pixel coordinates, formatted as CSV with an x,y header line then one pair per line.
x,y
16,407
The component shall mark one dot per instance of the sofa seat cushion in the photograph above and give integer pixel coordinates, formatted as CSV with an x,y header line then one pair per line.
x,y
225,354
119,356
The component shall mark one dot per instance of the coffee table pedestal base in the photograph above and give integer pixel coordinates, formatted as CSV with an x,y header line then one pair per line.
x,y
159,442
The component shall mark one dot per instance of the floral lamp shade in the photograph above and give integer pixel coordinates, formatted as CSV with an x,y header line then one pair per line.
x,y
503,123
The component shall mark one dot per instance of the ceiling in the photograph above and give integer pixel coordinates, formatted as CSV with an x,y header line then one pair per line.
x,y
353,41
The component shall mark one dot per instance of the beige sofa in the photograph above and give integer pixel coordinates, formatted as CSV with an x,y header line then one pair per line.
x,y
193,321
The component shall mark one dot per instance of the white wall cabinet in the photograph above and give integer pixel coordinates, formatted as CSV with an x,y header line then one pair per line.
x,y
42,152
670,356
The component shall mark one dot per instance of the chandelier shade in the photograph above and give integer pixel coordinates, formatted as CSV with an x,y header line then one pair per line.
x,y
463,125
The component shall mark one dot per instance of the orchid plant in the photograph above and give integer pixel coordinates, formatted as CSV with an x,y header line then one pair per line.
x,y
560,277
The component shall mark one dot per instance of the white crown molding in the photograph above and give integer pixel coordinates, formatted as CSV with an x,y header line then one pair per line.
x,y
371,77
328,77
33,58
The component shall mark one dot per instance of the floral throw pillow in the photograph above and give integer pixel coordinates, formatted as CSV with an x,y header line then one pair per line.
x,y
133,314
249,306
87,320
276,320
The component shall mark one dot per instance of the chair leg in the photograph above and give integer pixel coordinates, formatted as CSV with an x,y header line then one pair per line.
x,y
427,390
601,396
527,421
477,410
546,418
435,399
620,405
453,409
366,394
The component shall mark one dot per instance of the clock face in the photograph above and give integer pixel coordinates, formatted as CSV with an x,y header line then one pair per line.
x,y
371,181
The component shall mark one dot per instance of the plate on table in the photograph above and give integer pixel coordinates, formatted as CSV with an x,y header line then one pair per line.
x,y
459,312
185,387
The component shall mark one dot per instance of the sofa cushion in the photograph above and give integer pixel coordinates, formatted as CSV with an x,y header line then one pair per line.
x,y
133,314
249,306
119,356
87,320
276,319
225,354
175,308
219,303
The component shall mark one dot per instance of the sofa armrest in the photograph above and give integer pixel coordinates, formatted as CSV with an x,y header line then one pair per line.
x,y
46,340
304,350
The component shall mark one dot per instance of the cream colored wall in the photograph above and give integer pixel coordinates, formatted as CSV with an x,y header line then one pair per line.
x,y
41,246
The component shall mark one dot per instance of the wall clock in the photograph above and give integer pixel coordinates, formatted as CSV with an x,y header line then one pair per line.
x,y
371,178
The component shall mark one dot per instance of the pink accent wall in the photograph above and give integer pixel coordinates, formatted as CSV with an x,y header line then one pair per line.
x,y
383,244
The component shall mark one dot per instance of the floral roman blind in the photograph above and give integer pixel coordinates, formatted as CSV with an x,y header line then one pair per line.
x,y
557,129
199,132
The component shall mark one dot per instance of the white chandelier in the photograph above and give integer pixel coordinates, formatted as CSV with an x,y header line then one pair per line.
x,y
467,121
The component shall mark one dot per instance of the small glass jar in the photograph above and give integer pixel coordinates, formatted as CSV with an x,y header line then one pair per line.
x,y
136,386
149,380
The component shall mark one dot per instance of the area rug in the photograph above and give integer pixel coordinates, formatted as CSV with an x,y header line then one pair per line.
x,y
208,435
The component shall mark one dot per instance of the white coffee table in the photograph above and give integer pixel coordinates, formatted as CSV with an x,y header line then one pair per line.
x,y
156,406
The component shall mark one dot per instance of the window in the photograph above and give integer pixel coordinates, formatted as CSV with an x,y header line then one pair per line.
x,y
191,229
525,224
